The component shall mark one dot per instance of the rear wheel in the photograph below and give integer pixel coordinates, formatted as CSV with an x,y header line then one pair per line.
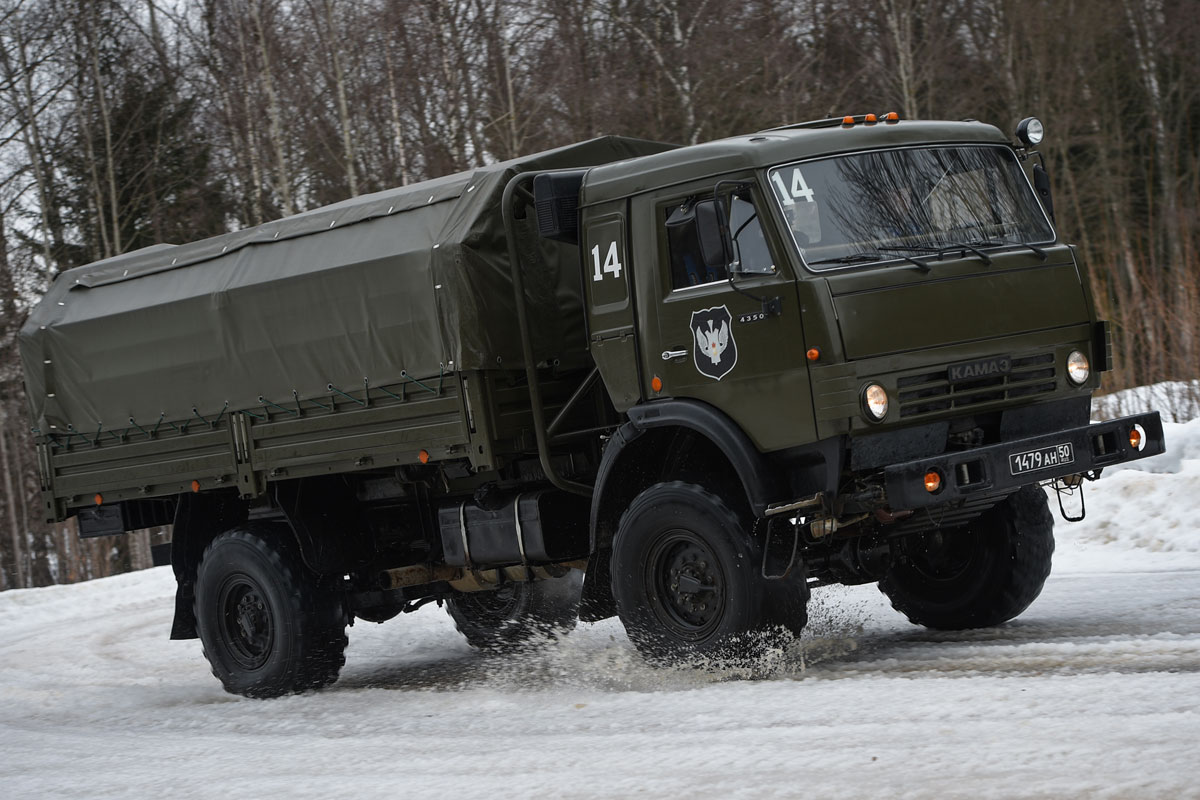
x,y
518,614
687,578
982,574
268,625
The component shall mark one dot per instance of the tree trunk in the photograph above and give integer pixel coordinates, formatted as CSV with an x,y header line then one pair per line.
x,y
93,46
20,571
397,127
274,116
339,82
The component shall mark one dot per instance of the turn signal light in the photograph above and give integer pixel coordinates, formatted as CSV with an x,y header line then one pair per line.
x,y
656,383
423,456
933,481
1137,437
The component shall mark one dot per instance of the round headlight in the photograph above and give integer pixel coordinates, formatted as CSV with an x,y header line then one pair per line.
x,y
1030,131
875,401
1078,367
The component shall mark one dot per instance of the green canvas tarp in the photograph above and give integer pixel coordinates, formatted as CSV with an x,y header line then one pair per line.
x,y
412,281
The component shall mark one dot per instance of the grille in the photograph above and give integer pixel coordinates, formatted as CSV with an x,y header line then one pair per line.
x,y
932,392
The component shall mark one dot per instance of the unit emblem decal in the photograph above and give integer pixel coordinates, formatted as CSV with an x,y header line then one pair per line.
x,y
715,351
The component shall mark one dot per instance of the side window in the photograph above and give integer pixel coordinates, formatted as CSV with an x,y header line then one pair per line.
x,y
683,242
746,227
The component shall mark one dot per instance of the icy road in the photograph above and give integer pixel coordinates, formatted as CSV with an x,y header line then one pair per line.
x,y
1093,692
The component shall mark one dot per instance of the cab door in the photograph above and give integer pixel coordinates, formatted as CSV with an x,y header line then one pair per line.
x,y
610,304
735,344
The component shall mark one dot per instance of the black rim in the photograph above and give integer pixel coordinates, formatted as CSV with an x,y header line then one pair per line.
x,y
688,587
247,628
947,557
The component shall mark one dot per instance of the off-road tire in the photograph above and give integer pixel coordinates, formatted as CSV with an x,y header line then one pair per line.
x,y
687,578
268,625
982,574
518,615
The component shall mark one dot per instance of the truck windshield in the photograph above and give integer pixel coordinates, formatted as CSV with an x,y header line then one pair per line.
x,y
885,205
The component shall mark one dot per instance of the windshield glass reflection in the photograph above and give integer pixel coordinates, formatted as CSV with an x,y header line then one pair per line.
x,y
878,206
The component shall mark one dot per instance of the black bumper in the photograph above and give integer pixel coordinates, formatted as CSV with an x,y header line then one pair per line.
x,y
990,470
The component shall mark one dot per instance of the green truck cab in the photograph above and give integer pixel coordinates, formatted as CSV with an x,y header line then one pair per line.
x,y
681,385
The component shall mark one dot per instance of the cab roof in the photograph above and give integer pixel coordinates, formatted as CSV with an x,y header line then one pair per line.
x,y
768,148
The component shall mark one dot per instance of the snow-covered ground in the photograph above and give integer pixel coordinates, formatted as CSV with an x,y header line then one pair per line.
x,y
1093,692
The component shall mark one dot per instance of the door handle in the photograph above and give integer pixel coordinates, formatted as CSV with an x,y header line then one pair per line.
x,y
667,355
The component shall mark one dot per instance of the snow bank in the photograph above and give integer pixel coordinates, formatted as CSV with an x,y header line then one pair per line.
x,y
1149,504
1177,401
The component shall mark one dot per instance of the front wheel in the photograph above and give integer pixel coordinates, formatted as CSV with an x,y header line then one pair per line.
x,y
268,625
687,578
982,574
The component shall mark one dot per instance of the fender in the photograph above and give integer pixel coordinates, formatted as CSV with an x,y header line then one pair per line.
x,y
198,519
758,480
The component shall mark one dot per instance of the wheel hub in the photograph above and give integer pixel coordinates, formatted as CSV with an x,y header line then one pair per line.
x,y
247,628
691,594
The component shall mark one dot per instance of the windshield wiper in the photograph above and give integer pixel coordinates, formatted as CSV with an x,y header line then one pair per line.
x,y
856,258
1037,251
946,247
973,243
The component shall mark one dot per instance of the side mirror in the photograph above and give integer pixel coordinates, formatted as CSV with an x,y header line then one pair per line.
x,y
1041,185
715,247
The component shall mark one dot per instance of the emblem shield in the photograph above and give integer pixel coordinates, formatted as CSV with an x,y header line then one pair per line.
x,y
714,351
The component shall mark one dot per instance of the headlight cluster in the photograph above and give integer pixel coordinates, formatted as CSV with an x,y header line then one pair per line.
x,y
875,397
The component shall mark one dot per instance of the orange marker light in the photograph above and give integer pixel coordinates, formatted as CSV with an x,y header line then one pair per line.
x,y
891,116
847,120
656,383
423,456
195,486
869,119
813,354
99,500
1135,438
933,481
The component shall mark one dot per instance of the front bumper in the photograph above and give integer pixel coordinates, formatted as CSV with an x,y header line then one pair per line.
x,y
990,470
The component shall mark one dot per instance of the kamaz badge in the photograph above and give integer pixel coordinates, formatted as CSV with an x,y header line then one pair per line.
x,y
715,353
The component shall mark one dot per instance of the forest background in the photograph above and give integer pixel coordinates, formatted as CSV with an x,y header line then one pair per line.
x,y
124,123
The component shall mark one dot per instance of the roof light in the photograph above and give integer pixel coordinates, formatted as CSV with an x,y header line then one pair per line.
x,y
1030,131
869,119
848,121
891,117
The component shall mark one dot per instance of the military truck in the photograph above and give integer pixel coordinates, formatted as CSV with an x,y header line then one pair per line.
x,y
681,385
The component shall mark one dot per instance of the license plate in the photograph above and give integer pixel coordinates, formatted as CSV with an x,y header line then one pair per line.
x,y
1042,458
